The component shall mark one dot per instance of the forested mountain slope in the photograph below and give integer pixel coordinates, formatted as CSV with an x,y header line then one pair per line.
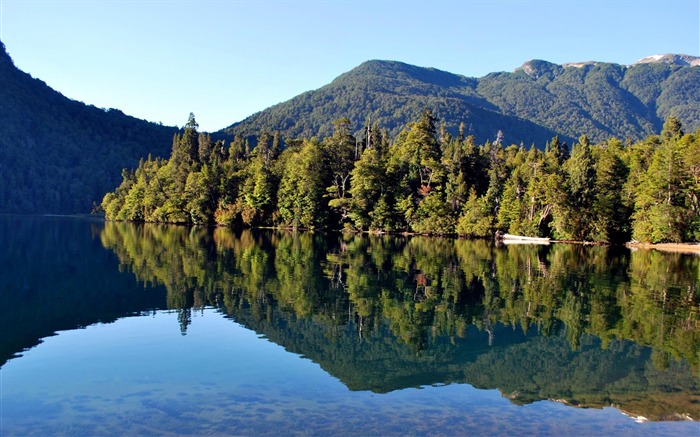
x,y
601,100
391,94
530,105
59,155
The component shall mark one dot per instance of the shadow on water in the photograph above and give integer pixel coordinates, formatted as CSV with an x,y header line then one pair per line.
x,y
55,275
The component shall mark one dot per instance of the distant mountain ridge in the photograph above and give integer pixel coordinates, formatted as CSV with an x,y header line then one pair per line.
x,y
538,100
670,58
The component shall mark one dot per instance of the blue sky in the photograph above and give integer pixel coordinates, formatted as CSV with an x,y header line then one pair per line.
x,y
226,59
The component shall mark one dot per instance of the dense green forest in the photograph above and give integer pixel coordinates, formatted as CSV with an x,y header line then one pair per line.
x,y
386,312
59,155
534,103
424,181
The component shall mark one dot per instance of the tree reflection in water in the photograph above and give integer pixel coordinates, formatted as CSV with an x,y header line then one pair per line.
x,y
592,326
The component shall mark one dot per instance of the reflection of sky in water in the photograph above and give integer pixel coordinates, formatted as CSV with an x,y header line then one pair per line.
x,y
140,376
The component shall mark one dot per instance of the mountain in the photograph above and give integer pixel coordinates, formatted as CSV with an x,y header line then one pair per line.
x,y
392,94
59,155
530,105
670,58
598,99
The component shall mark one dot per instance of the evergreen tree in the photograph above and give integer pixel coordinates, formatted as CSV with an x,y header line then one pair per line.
x,y
262,148
476,221
202,195
185,153
690,150
611,213
205,147
575,215
416,162
238,149
497,175
368,183
512,203
664,199
262,198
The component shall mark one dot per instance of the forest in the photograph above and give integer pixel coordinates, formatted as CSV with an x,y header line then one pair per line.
x,y
426,181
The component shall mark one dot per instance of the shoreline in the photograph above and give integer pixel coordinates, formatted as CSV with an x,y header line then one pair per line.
x,y
688,248
691,248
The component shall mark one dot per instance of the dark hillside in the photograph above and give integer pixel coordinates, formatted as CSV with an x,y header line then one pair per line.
x,y
59,155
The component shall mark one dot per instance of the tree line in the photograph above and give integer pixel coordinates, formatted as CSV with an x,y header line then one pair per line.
x,y
425,181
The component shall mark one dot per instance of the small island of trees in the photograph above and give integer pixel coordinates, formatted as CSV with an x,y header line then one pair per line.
x,y
424,181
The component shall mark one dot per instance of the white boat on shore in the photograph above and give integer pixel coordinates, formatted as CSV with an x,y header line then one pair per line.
x,y
520,239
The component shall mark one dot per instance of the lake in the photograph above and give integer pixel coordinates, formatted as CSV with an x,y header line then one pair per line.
x,y
124,329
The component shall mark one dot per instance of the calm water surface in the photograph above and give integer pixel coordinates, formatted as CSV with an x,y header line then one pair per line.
x,y
118,329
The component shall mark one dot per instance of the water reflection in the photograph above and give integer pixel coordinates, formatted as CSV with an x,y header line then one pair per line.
x,y
55,275
590,326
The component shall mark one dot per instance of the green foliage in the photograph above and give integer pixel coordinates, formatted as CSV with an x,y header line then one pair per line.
x,y
301,189
434,215
368,182
477,220
425,182
611,220
666,202
576,214
340,152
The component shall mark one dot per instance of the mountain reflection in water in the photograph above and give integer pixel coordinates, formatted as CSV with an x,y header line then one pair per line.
x,y
587,326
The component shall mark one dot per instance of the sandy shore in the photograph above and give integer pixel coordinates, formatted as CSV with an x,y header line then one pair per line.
x,y
693,248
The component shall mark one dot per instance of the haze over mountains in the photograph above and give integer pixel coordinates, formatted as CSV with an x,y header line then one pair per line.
x,y
58,155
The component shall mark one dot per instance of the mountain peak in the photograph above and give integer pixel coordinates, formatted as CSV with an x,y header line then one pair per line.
x,y
402,71
380,65
670,58
536,68
580,64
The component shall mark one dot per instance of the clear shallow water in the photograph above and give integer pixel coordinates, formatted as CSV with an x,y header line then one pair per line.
x,y
222,333
139,376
